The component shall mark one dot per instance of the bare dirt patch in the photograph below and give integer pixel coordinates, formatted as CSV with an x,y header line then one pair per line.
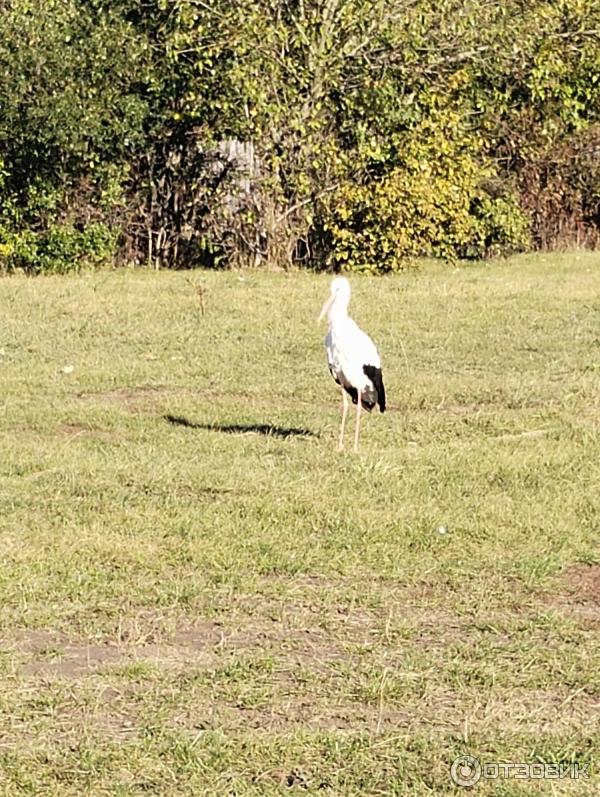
x,y
582,583
125,393
48,655
579,595
293,673
73,661
75,430
129,397
585,582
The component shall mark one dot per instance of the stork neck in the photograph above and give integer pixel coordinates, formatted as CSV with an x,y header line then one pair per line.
x,y
338,310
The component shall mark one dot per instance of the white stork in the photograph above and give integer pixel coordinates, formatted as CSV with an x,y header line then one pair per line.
x,y
352,357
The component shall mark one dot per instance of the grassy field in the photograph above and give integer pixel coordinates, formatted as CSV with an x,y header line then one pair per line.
x,y
200,596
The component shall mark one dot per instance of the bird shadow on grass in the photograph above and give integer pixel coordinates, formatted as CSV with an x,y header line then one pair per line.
x,y
266,429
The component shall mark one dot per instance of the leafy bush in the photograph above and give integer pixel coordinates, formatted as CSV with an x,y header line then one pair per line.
x,y
72,112
58,249
380,130
435,203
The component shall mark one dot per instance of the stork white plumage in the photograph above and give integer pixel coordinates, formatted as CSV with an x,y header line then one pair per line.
x,y
352,357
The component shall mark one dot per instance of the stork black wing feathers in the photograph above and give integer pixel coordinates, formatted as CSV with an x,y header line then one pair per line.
x,y
376,377
371,397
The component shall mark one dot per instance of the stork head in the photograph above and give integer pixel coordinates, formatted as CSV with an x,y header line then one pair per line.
x,y
339,299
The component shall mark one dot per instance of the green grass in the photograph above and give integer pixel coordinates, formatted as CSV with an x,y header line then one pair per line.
x,y
188,606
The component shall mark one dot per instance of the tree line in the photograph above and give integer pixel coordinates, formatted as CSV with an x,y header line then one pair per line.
x,y
343,134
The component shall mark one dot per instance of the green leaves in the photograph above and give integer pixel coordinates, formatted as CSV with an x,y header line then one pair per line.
x,y
375,127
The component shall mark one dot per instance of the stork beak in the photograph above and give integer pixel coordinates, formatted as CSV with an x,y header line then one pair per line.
x,y
325,308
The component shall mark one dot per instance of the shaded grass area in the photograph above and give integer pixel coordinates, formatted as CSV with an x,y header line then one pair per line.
x,y
200,595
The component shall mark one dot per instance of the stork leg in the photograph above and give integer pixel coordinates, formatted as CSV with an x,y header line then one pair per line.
x,y
357,429
344,414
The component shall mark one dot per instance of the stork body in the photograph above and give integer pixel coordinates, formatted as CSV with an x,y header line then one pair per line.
x,y
352,357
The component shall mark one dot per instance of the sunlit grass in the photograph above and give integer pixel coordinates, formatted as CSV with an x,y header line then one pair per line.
x,y
201,596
